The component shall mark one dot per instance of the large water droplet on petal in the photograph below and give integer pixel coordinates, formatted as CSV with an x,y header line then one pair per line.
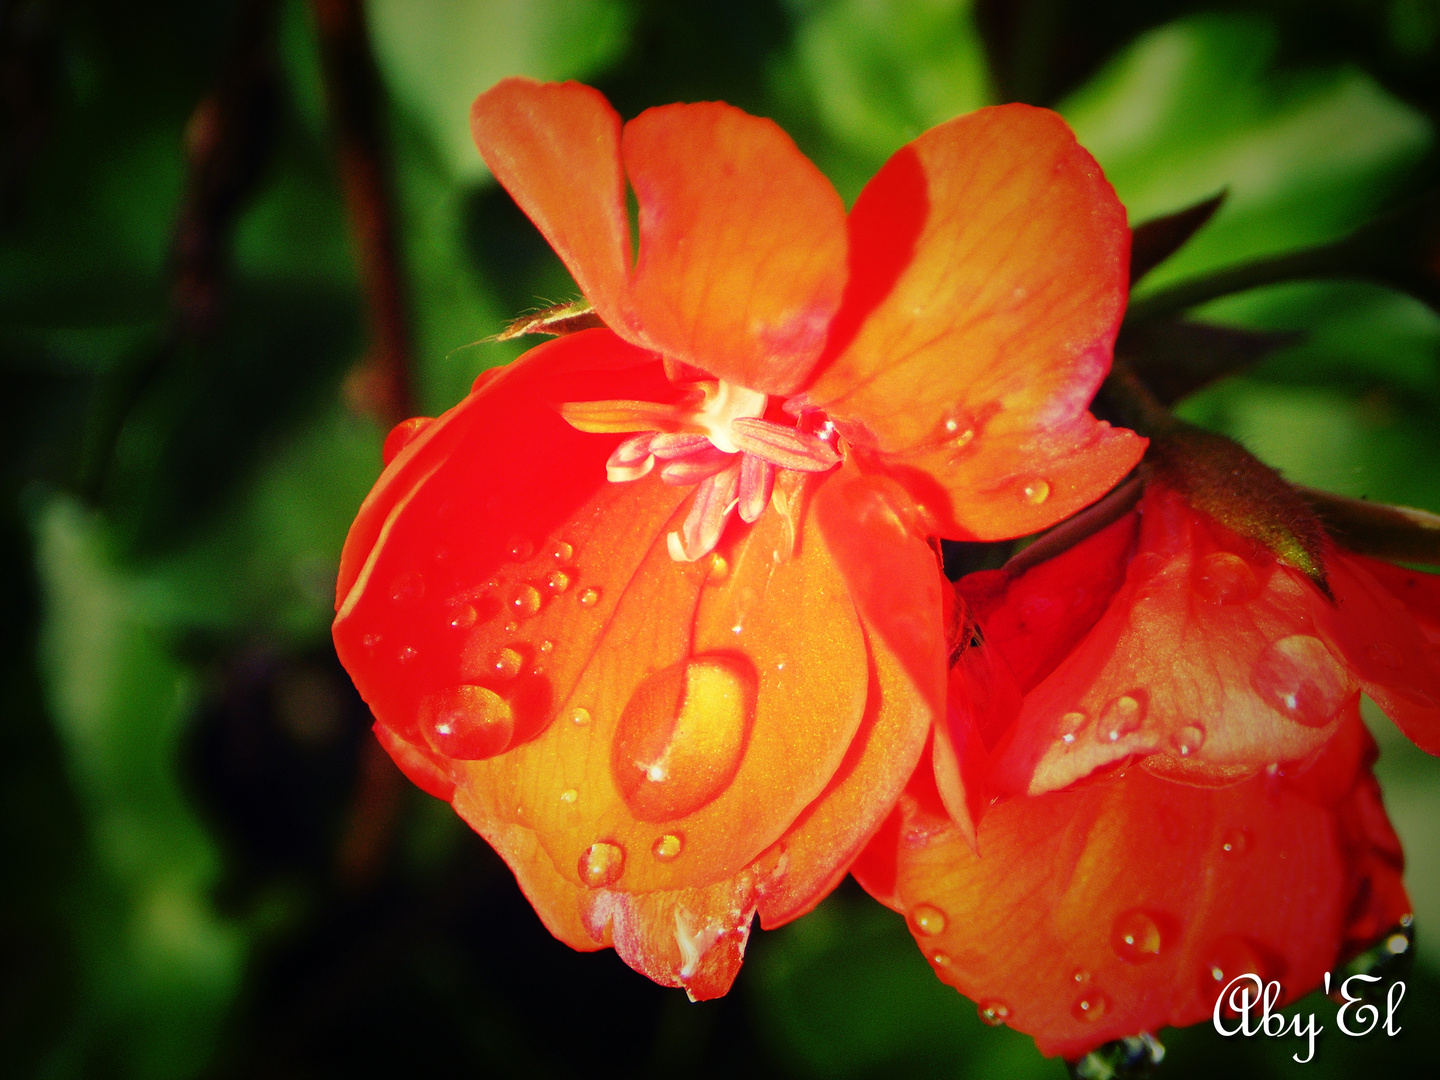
x,y
994,1013
464,617
1222,577
1135,937
579,716
589,597
507,663
1071,724
1121,717
682,735
601,864
1091,1005
1299,676
1227,958
561,551
928,919
558,581
467,723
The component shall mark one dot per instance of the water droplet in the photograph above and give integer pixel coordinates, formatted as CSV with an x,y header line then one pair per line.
x,y
1070,725
589,597
1135,937
1224,960
507,663
1188,740
525,601
547,646
941,959
1300,677
1222,577
408,654
371,640
956,430
1385,655
408,587
1235,841
928,919
467,723
719,569
1091,1005
1037,491
681,737
569,795
521,549
558,581
601,864
562,551
464,617
511,626
1121,717
1081,977
993,1013
667,847
579,717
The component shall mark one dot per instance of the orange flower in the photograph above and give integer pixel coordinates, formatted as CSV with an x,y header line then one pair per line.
x,y
1168,720
656,606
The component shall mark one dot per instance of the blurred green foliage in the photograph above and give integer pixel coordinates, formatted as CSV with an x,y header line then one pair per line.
x,y
185,759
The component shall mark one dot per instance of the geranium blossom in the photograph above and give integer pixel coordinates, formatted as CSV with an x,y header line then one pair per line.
x,y
657,606
1159,740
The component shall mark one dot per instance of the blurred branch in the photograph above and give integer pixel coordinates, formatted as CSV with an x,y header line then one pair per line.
x,y
1387,532
352,86
228,143
1401,250
1154,241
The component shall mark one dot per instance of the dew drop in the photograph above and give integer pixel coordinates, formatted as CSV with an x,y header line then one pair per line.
x,y
511,626
601,864
1081,977
408,588
507,663
1091,1005
993,1013
1071,724
956,430
929,919
525,601
1235,841
719,569
467,723
562,551
547,646
589,597
569,795
1121,717
1300,677
371,640
682,734
1135,937
1188,740
941,959
1227,958
579,717
464,617
1037,491
667,848
1222,577
558,581
521,549
408,654
1385,655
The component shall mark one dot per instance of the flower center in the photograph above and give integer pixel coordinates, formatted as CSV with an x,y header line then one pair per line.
x,y
716,438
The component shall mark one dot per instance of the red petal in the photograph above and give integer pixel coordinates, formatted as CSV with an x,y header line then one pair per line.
x,y
1371,626
1100,912
988,277
1206,664
742,244
556,148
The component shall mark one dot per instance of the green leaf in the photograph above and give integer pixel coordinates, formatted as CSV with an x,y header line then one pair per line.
x,y
437,55
160,965
1199,105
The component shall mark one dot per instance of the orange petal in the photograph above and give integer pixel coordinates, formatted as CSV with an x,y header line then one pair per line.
x,y
895,579
742,244
1205,664
1371,626
556,149
988,275
1126,905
